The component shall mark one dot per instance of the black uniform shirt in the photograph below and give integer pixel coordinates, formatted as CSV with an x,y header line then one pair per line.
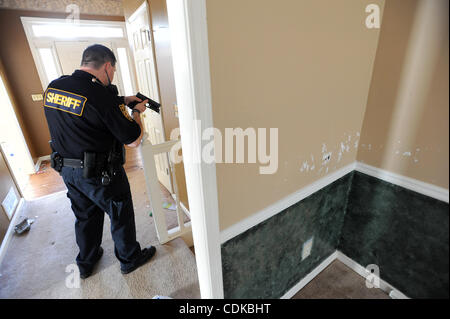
x,y
83,115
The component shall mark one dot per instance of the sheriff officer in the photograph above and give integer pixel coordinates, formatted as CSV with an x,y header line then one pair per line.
x,y
89,124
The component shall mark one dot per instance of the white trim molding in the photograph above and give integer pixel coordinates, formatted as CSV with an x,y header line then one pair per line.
x,y
430,190
415,185
189,40
284,203
402,181
302,283
39,162
353,265
393,292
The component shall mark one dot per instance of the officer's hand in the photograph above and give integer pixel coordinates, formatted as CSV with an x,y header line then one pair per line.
x,y
132,98
141,106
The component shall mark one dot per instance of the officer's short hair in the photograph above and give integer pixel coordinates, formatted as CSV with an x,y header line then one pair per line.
x,y
96,55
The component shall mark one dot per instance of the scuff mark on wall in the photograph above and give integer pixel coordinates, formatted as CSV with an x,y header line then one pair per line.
x,y
340,149
305,166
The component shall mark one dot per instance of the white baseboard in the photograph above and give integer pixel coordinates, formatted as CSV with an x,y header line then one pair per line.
x,y
415,185
10,231
426,189
402,181
40,160
360,270
393,292
284,203
302,283
186,211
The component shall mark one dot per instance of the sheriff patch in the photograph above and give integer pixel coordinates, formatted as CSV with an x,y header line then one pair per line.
x,y
125,113
64,101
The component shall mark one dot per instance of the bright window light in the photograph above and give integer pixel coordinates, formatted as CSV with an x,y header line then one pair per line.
x,y
49,63
67,30
126,78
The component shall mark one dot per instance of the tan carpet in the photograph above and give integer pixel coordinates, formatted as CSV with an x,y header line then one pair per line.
x,y
338,281
35,263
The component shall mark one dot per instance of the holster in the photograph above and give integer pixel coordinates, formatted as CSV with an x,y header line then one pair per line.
x,y
104,165
94,164
116,158
56,161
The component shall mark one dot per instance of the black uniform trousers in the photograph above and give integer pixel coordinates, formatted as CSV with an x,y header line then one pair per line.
x,y
90,200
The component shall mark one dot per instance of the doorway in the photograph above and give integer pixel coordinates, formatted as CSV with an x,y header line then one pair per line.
x,y
189,45
141,39
57,47
12,141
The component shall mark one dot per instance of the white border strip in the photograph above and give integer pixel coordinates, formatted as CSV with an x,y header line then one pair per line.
x,y
39,161
284,203
189,40
430,190
10,231
426,189
393,292
302,283
353,265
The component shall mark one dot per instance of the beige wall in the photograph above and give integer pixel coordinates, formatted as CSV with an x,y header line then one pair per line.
x,y
303,67
406,128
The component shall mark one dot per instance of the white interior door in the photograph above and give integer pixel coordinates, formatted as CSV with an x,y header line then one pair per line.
x,y
69,55
140,36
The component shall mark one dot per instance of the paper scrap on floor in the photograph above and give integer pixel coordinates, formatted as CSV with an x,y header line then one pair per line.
x,y
169,206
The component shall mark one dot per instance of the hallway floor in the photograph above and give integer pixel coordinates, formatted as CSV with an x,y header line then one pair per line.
x,y
47,181
35,263
337,281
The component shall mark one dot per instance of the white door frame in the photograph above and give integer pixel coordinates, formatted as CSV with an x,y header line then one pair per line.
x,y
49,42
189,40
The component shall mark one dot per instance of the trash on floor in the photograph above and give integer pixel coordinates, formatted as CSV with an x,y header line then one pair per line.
x,y
161,297
23,226
169,206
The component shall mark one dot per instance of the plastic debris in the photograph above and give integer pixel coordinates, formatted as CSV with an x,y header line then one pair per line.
x,y
169,206
161,297
23,226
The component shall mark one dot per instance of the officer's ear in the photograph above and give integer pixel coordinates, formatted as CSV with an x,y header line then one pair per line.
x,y
108,65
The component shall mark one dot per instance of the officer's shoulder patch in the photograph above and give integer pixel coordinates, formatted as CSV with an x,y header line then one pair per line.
x,y
124,111
64,101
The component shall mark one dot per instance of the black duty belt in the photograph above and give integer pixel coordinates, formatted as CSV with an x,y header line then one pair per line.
x,y
72,162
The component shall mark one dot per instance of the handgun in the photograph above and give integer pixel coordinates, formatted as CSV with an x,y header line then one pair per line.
x,y
152,105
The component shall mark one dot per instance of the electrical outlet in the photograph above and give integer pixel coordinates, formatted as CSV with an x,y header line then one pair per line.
x,y
307,247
